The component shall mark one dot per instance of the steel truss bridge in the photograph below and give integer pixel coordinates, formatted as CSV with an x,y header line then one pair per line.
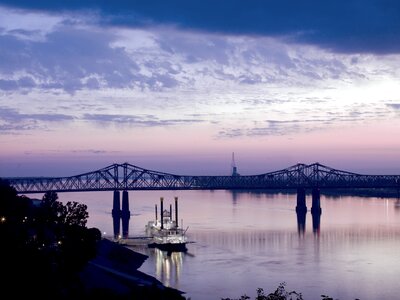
x,y
129,177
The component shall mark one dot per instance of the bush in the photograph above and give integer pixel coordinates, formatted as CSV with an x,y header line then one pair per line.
x,y
279,294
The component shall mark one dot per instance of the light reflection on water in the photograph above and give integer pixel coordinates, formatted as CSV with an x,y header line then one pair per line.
x,y
243,241
168,267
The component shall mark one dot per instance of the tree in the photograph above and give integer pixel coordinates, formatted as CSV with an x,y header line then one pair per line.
x,y
279,294
75,213
46,246
66,230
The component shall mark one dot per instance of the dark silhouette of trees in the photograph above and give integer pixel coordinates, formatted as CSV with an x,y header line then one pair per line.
x,y
44,245
279,294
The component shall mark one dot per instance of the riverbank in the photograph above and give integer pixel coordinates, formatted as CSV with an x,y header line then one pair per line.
x,y
114,273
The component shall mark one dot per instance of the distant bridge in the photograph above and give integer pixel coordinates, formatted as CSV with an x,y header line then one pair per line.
x,y
125,177
129,177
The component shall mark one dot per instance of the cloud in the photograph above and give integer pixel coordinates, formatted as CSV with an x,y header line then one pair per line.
x,y
395,106
72,58
93,151
131,120
294,126
68,59
22,83
347,26
12,120
163,73
12,115
66,151
272,128
248,60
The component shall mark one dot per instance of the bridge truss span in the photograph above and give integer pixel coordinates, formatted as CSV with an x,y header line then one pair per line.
x,y
129,177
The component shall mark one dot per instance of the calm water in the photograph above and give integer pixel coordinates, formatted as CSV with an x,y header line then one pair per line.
x,y
243,241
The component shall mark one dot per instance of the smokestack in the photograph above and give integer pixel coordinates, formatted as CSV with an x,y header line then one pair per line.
x,y
162,212
156,212
170,211
176,211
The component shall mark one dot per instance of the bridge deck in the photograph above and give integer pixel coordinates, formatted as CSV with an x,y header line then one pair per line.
x,y
129,177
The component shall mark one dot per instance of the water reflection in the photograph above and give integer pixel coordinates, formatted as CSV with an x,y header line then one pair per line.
x,y
355,246
246,240
259,241
397,205
301,222
117,220
116,225
235,196
316,220
168,266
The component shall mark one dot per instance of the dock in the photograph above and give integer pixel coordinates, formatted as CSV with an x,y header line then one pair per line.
x,y
135,241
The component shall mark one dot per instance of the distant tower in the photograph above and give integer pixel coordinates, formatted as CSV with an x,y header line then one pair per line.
x,y
234,168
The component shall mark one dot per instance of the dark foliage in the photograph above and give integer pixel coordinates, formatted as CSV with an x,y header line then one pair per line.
x,y
279,294
44,246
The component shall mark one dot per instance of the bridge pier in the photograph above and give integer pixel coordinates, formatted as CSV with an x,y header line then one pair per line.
x,y
125,214
301,200
119,215
316,203
116,214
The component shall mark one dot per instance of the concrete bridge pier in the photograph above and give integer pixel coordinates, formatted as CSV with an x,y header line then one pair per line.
x,y
116,214
125,214
316,203
301,206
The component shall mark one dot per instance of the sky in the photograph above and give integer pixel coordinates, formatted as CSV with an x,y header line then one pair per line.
x,y
178,86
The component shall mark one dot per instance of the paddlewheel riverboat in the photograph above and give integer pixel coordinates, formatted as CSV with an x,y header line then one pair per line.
x,y
165,233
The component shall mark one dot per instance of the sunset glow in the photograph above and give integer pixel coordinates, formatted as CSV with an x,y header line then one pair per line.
x,y
78,93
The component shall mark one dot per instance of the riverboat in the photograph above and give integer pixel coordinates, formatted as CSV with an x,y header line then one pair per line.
x,y
165,233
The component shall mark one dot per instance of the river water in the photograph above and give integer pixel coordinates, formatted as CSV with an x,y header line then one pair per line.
x,y
243,241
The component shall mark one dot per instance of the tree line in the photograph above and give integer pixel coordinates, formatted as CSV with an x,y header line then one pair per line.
x,y
44,245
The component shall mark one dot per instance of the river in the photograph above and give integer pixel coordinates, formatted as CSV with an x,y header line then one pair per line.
x,y
243,241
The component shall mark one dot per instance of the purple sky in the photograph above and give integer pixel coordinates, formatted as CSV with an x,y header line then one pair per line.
x,y
177,88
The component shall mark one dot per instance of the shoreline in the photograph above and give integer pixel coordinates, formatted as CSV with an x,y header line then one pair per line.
x,y
114,270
